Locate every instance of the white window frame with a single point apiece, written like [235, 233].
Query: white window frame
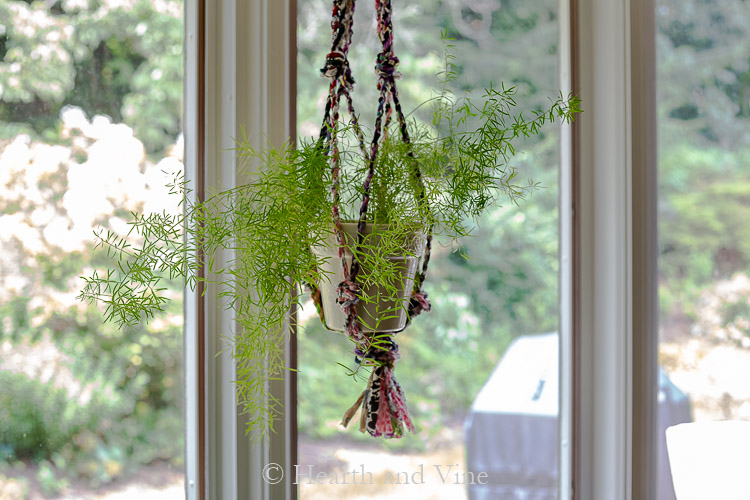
[608, 241]
[614, 276]
[240, 72]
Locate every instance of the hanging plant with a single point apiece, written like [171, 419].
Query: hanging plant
[352, 221]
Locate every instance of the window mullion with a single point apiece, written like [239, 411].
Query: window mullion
[249, 86]
[566, 282]
[604, 245]
[194, 129]
[645, 248]
[615, 339]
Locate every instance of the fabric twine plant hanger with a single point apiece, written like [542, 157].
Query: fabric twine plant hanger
[384, 412]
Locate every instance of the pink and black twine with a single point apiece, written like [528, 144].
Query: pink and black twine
[384, 411]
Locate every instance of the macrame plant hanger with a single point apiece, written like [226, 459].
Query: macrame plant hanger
[384, 412]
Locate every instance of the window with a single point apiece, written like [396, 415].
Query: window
[703, 111]
[239, 57]
[90, 124]
[599, 394]
[494, 321]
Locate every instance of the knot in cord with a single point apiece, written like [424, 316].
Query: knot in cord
[348, 294]
[385, 65]
[418, 304]
[385, 352]
[336, 66]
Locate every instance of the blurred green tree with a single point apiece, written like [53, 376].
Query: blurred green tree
[704, 142]
[120, 59]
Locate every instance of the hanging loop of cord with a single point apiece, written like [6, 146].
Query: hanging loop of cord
[384, 412]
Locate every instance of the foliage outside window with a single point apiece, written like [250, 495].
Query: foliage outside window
[704, 188]
[90, 117]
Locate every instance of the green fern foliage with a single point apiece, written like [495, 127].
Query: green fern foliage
[253, 242]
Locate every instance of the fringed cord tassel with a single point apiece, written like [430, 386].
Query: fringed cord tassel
[384, 410]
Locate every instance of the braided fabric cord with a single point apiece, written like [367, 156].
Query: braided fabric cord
[384, 412]
[385, 67]
[342, 83]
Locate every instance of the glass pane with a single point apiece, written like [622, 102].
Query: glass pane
[480, 370]
[704, 248]
[90, 121]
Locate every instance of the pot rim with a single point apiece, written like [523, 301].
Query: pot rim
[415, 238]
